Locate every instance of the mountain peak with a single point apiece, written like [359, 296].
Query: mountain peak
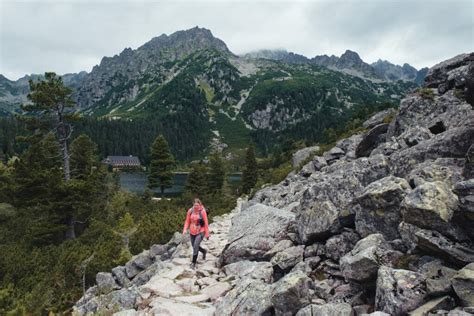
[350, 55]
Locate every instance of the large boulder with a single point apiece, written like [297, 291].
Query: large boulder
[438, 277]
[338, 245]
[379, 118]
[448, 170]
[434, 243]
[106, 282]
[371, 140]
[303, 154]
[449, 74]
[465, 192]
[249, 297]
[362, 263]
[463, 284]
[377, 208]
[250, 240]
[291, 293]
[399, 291]
[284, 260]
[432, 205]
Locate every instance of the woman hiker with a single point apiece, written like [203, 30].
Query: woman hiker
[196, 220]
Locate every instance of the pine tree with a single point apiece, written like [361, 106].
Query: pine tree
[161, 164]
[249, 175]
[197, 181]
[48, 111]
[83, 156]
[216, 173]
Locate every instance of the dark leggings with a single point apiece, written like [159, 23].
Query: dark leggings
[196, 242]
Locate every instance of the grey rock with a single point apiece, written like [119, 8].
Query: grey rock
[438, 278]
[378, 118]
[432, 242]
[105, 282]
[413, 136]
[280, 246]
[446, 74]
[250, 269]
[288, 258]
[291, 293]
[138, 263]
[120, 276]
[399, 291]
[331, 309]
[319, 163]
[371, 140]
[448, 170]
[432, 205]
[465, 192]
[377, 208]
[362, 263]
[250, 297]
[144, 276]
[250, 240]
[303, 154]
[463, 284]
[158, 250]
[334, 154]
[434, 305]
[338, 245]
[313, 250]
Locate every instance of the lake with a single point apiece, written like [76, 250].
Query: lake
[137, 182]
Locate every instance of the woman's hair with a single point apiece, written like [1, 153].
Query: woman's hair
[198, 201]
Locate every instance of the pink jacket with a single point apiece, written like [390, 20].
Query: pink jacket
[192, 221]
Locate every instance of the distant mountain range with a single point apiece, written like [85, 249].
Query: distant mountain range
[266, 96]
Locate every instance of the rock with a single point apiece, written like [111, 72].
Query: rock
[377, 208]
[162, 287]
[250, 269]
[315, 249]
[331, 309]
[463, 284]
[399, 291]
[127, 312]
[249, 297]
[144, 276]
[106, 282]
[448, 170]
[465, 192]
[378, 118]
[450, 73]
[280, 246]
[453, 143]
[337, 246]
[216, 290]
[291, 293]
[431, 206]
[158, 250]
[138, 263]
[371, 140]
[249, 240]
[319, 163]
[362, 263]
[120, 276]
[437, 278]
[319, 221]
[334, 154]
[432, 242]
[303, 154]
[170, 307]
[362, 309]
[441, 303]
[288, 258]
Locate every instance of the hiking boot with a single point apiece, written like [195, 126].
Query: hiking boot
[204, 255]
[193, 266]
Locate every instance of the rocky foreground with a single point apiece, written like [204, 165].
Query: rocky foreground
[382, 223]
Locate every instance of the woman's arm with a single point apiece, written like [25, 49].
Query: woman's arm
[186, 222]
[206, 224]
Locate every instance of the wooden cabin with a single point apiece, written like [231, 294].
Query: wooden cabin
[123, 162]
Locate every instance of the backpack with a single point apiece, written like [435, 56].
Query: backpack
[201, 220]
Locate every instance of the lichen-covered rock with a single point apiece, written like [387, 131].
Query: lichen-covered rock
[280, 246]
[288, 258]
[448, 170]
[303, 154]
[362, 263]
[291, 293]
[249, 297]
[106, 282]
[378, 118]
[338, 245]
[463, 284]
[399, 291]
[120, 276]
[432, 206]
[250, 269]
[438, 304]
[377, 208]
[249, 240]
[438, 278]
[432, 242]
[450, 73]
[158, 250]
[465, 192]
[331, 309]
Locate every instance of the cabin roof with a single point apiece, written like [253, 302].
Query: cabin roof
[122, 161]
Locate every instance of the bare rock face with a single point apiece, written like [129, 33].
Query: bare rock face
[377, 208]
[450, 73]
[399, 291]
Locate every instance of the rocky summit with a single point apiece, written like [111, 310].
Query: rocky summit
[380, 224]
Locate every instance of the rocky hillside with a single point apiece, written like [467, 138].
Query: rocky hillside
[380, 222]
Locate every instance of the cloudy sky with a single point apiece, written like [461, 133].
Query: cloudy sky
[73, 35]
